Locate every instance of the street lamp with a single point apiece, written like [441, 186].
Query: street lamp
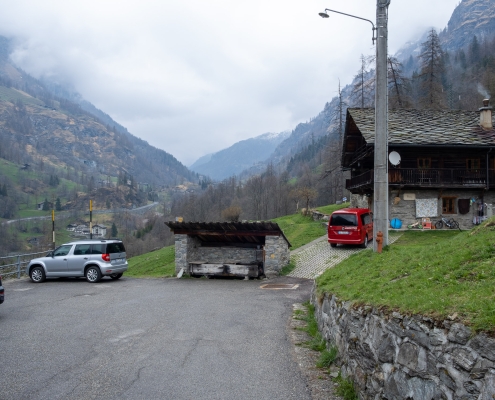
[380, 194]
[325, 15]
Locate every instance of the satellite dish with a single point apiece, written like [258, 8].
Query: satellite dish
[394, 158]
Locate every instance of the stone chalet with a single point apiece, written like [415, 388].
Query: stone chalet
[443, 163]
[83, 229]
[240, 249]
[99, 230]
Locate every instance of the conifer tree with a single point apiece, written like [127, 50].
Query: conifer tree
[46, 205]
[432, 69]
[114, 231]
[398, 85]
[364, 88]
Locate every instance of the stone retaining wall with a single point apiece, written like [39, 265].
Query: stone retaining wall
[400, 357]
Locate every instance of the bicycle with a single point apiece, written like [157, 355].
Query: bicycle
[450, 223]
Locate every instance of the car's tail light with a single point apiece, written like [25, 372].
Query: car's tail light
[105, 257]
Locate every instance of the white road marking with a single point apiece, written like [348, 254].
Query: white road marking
[125, 336]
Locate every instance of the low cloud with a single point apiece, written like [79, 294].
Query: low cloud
[193, 79]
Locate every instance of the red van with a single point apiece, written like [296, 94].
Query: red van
[350, 226]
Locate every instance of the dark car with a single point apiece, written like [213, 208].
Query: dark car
[350, 226]
[92, 259]
[2, 291]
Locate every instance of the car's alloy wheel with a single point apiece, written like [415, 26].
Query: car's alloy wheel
[116, 276]
[37, 275]
[93, 274]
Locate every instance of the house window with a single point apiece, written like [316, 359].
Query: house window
[473, 164]
[448, 205]
[424, 162]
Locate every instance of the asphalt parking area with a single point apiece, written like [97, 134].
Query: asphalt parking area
[149, 339]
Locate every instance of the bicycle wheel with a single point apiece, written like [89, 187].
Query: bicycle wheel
[439, 225]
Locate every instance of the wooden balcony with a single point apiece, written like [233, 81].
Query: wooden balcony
[426, 178]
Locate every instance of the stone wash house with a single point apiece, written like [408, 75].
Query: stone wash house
[443, 163]
[237, 249]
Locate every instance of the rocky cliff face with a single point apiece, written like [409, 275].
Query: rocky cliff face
[470, 18]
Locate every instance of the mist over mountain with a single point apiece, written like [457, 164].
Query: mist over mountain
[45, 120]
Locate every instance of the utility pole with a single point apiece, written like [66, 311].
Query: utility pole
[91, 219]
[53, 228]
[380, 201]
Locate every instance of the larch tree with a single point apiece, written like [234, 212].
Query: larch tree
[363, 90]
[398, 85]
[432, 69]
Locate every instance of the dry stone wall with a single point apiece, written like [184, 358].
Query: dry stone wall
[399, 357]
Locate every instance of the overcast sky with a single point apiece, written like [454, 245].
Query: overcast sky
[193, 77]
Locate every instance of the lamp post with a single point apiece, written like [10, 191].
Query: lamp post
[325, 15]
[380, 195]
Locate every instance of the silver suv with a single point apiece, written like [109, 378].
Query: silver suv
[90, 258]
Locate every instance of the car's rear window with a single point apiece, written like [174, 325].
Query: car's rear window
[98, 248]
[117, 247]
[343, 220]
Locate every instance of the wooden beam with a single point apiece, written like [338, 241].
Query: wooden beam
[231, 244]
[203, 232]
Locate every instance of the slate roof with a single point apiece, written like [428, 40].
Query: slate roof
[228, 232]
[426, 127]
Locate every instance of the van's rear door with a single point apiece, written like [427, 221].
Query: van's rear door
[343, 227]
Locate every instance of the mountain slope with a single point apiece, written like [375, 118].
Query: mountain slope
[470, 18]
[238, 157]
[57, 126]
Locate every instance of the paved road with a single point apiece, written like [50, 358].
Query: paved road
[149, 339]
[138, 210]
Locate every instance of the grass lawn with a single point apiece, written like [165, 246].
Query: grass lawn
[331, 208]
[301, 230]
[434, 273]
[157, 264]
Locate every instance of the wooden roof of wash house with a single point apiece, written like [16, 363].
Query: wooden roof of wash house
[229, 232]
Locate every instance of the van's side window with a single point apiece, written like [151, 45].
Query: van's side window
[366, 219]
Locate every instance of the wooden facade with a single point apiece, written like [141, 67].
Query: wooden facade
[438, 150]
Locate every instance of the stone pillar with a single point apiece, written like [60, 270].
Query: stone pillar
[359, 201]
[277, 255]
[181, 248]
